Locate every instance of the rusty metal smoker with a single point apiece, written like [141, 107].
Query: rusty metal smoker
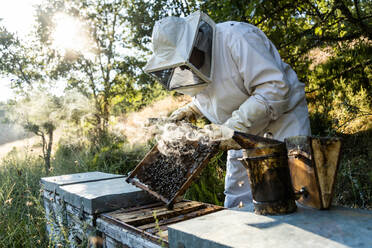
[268, 171]
[301, 168]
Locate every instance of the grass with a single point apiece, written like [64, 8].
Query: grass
[354, 179]
[22, 222]
[22, 215]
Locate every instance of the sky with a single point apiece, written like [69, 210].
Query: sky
[17, 16]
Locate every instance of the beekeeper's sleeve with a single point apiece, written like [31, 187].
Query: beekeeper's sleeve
[264, 81]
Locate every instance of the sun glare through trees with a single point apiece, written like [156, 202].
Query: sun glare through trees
[69, 34]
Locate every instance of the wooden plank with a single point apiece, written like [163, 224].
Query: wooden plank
[326, 156]
[162, 214]
[132, 209]
[139, 212]
[158, 232]
[152, 227]
[128, 234]
[136, 211]
[146, 216]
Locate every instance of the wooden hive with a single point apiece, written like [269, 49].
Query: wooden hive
[151, 221]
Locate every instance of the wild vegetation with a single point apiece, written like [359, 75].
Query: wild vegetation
[328, 43]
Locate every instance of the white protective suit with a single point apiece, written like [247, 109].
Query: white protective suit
[245, 85]
[251, 86]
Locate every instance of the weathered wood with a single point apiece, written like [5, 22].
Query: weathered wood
[151, 207]
[181, 217]
[270, 180]
[153, 229]
[132, 209]
[326, 157]
[143, 217]
[313, 164]
[120, 235]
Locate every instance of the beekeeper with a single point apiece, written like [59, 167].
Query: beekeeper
[236, 78]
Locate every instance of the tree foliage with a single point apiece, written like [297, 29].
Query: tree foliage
[106, 71]
[18, 60]
[298, 29]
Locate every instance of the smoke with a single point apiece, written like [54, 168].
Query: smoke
[151, 122]
[136, 127]
[171, 137]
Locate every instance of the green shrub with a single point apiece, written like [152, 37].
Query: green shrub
[117, 158]
[354, 179]
[209, 186]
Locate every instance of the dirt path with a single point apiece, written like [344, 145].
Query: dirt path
[28, 145]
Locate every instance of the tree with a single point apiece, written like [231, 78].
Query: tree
[42, 113]
[108, 70]
[18, 60]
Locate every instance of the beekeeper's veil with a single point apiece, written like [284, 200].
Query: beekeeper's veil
[174, 40]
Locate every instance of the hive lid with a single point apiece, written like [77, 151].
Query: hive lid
[53, 183]
[105, 195]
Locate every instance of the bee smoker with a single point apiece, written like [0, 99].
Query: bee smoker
[313, 163]
[302, 168]
[267, 167]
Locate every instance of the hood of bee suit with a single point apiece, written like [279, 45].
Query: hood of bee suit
[173, 40]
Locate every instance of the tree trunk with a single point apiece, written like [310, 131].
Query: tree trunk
[48, 150]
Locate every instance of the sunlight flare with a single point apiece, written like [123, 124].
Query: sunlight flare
[69, 34]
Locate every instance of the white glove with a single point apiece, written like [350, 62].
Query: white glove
[251, 117]
[188, 112]
[229, 144]
[223, 134]
[236, 124]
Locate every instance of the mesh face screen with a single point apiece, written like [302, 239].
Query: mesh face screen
[203, 42]
[164, 77]
[184, 77]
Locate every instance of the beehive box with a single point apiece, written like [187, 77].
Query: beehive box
[147, 226]
[73, 203]
[96, 209]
